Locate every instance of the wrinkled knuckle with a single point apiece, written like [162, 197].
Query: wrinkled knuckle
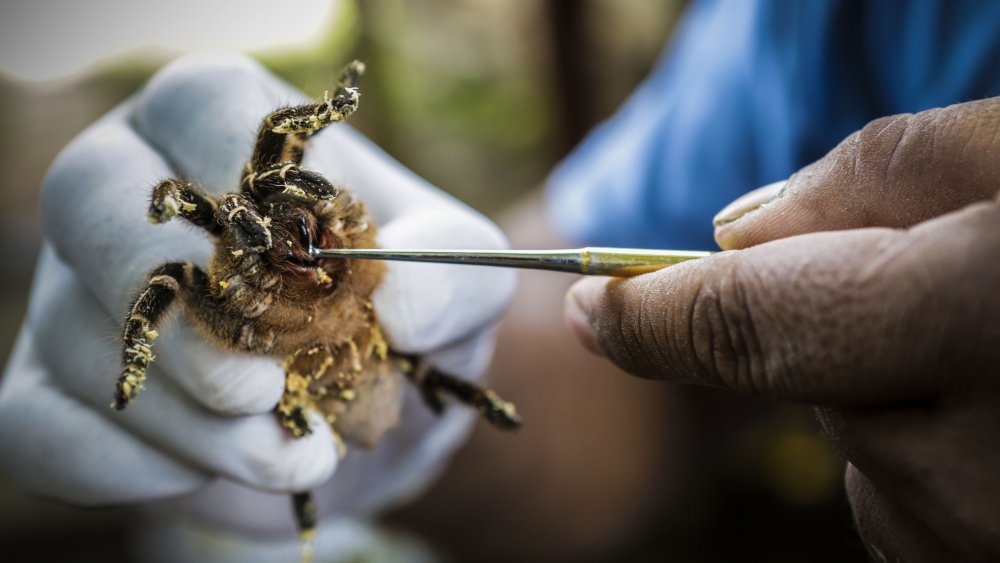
[934, 137]
[630, 331]
[884, 130]
[845, 156]
[880, 144]
[727, 341]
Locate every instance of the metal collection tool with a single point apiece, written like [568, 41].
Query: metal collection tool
[590, 261]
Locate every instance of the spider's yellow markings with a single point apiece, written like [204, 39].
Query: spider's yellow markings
[295, 191]
[323, 276]
[236, 210]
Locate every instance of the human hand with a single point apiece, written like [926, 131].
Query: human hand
[207, 413]
[890, 325]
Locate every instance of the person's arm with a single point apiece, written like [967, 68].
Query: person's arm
[867, 287]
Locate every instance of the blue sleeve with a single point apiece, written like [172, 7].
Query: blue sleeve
[750, 91]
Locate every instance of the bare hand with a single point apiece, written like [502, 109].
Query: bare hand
[890, 325]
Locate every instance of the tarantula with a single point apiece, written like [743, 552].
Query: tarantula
[264, 292]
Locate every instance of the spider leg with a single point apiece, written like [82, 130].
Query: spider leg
[302, 368]
[146, 311]
[433, 382]
[287, 180]
[171, 198]
[239, 214]
[304, 509]
[209, 307]
[282, 135]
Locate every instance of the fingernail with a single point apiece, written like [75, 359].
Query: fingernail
[750, 202]
[579, 302]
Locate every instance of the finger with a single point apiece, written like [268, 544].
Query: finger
[891, 533]
[824, 318]
[57, 448]
[918, 455]
[225, 383]
[895, 172]
[254, 450]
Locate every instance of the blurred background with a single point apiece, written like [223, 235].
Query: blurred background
[482, 98]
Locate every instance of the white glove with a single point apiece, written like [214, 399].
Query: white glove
[205, 412]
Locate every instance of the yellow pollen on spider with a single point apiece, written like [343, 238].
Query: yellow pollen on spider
[327, 362]
[294, 190]
[379, 347]
[237, 253]
[140, 351]
[323, 276]
[296, 383]
[170, 206]
[235, 211]
[132, 384]
[355, 356]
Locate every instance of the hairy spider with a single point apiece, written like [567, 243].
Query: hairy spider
[263, 292]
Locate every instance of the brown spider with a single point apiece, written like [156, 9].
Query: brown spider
[263, 292]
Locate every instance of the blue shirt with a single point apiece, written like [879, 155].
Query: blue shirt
[748, 92]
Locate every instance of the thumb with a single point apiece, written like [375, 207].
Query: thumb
[835, 318]
[895, 172]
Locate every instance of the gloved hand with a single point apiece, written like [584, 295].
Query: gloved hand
[207, 413]
[890, 325]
